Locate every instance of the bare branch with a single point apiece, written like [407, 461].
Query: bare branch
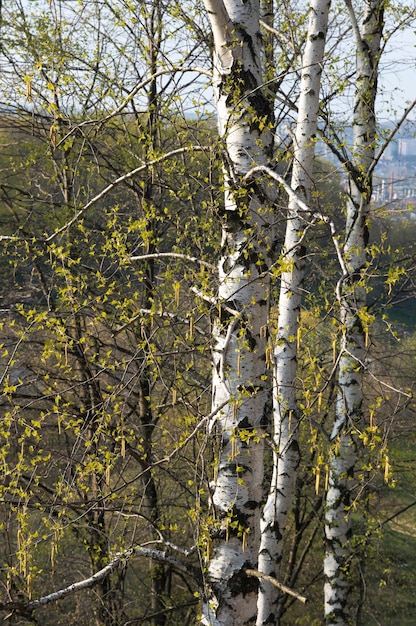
[303, 206]
[174, 255]
[119, 180]
[273, 581]
[133, 92]
[391, 136]
[109, 188]
[398, 513]
[120, 560]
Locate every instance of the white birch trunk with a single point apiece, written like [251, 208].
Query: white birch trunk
[286, 415]
[352, 297]
[239, 336]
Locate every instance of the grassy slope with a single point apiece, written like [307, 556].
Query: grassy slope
[390, 566]
[391, 596]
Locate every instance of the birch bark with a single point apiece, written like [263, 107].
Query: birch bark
[352, 299]
[286, 455]
[239, 334]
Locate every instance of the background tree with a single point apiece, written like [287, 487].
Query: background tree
[92, 346]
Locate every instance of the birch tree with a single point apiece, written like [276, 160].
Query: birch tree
[239, 336]
[105, 378]
[286, 455]
[350, 421]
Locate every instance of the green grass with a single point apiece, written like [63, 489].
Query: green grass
[391, 598]
[391, 571]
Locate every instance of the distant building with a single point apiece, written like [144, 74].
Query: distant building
[391, 152]
[407, 148]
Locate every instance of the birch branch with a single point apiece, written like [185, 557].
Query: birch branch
[13, 354]
[174, 255]
[119, 560]
[110, 187]
[398, 513]
[224, 349]
[304, 206]
[167, 459]
[391, 136]
[215, 301]
[273, 581]
[122, 179]
[197, 428]
[264, 169]
[381, 382]
[133, 92]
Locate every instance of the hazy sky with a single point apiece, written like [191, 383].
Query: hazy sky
[398, 75]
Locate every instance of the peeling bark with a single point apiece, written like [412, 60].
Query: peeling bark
[239, 335]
